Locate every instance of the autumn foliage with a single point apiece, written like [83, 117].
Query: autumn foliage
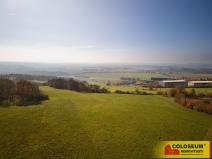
[190, 99]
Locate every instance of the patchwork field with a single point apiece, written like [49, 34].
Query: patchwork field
[82, 125]
[102, 78]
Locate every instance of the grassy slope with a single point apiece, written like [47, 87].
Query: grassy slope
[130, 88]
[77, 125]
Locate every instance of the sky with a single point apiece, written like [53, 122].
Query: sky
[106, 31]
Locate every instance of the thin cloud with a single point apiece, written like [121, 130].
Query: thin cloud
[12, 14]
[83, 47]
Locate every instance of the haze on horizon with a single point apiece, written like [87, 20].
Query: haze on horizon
[106, 31]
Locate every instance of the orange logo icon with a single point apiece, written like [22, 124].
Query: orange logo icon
[171, 151]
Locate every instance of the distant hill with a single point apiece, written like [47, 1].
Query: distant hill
[72, 69]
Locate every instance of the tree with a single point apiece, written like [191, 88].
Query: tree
[7, 90]
[28, 93]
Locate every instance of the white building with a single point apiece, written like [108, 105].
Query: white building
[200, 83]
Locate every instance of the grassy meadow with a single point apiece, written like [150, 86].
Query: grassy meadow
[197, 90]
[110, 126]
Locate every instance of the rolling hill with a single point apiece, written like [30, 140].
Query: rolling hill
[83, 125]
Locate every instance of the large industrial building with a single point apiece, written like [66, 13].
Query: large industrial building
[173, 83]
[200, 83]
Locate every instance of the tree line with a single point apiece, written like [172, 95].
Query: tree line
[20, 93]
[136, 92]
[27, 77]
[71, 84]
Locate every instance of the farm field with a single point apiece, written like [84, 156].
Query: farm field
[118, 75]
[202, 90]
[102, 78]
[110, 126]
[198, 90]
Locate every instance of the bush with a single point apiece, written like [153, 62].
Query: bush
[207, 108]
[180, 99]
[135, 92]
[206, 101]
[191, 93]
[75, 85]
[198, 107]
[159, 92]
[120, 92]
[209, 95]
[165, 94]
[173, 92]
[190, 103]
[201, 95]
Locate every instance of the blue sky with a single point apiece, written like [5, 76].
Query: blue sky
[106, 31]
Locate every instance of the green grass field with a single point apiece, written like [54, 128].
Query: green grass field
[154, 91]
[130, 89]
[82, 125]
[197, 90]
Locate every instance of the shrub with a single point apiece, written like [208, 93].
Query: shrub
[190, 103]
[159, 92]
[151, 88]
[191, 93]
[206, 101]
[165, 94]
[75, 85]
[181, 99]
[203, 107]
[120, 92]
[173, 92]
[209, 95]
[135, 92]
[181, 90]
[208, 109]
[201, 95]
